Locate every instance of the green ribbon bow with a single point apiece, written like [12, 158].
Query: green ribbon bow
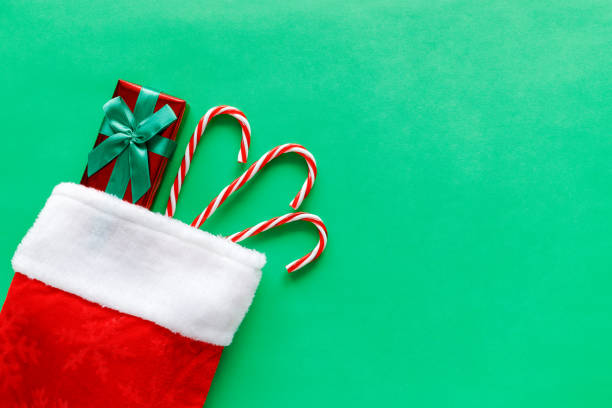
[130, 137]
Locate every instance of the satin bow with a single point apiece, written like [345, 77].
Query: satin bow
[129, 142]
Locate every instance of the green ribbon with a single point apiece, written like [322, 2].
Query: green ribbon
[130, 137]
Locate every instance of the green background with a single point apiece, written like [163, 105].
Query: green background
[465, 158]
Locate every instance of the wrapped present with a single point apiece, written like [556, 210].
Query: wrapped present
[134, 143]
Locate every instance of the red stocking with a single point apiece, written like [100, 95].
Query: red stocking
[114, 306]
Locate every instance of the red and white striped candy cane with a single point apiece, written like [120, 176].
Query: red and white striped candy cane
[195, 139]
[285, 219]
[255, 167]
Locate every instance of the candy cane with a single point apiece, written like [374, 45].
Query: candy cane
[285, 219]
[195, 139]
[255, 167]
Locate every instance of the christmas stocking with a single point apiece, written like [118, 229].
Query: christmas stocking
[115, 306]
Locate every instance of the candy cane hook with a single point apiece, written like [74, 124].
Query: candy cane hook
[256, 167]
[285, 219]
[195, 139]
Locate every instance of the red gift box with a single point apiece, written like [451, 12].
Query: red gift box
[157, 164]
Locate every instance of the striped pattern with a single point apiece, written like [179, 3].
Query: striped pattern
[285, 219]
[256, 167]
[193, 144]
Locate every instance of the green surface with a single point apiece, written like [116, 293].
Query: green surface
[465, 157]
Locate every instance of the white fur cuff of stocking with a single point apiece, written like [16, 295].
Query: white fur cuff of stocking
[125, 257]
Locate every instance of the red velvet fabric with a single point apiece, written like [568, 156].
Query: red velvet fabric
[58, 350]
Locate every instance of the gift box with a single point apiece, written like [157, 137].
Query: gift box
[134, 143]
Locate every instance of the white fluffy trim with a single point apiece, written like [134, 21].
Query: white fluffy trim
[125, 257]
